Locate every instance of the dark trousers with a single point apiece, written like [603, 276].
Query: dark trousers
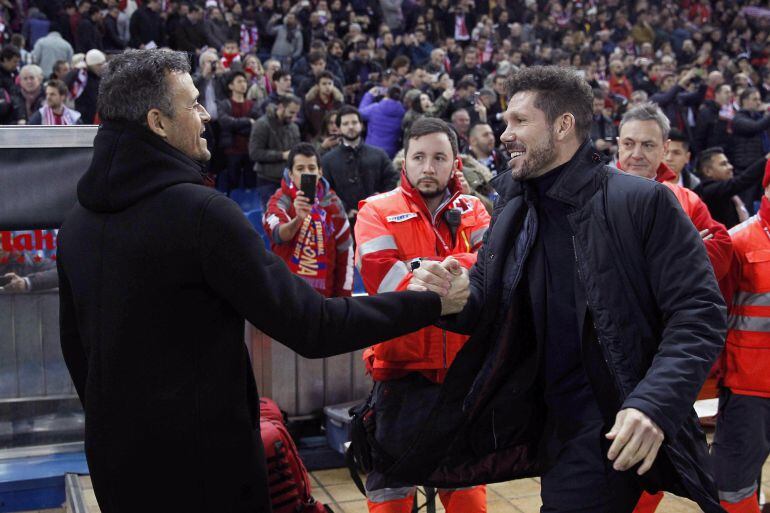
[741, 444]
[582, 480]
[240, 172]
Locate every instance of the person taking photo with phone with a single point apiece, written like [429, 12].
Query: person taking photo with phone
[308, 227]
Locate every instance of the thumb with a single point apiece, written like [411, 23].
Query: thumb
[453, 266]
[613, 432]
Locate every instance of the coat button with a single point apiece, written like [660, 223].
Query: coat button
[491, 256]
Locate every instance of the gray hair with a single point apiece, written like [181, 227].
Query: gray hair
[34, 69]
[648, 111]
[135, 82]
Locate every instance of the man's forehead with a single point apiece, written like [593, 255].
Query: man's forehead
[430, 144]
[644, 131]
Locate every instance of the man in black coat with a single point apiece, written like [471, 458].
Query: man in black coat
[157, 273]
[146, 25]
[712, 127]
[89, 34]
[595, 319]
[354, 169]
[719, 187]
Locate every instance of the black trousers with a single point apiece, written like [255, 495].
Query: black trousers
[582, 480]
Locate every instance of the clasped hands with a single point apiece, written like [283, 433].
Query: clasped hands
[448, 279]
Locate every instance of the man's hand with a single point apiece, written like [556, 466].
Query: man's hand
[301, 206]
[17, 283]
[635, 437]
[448, 279]
[466, 187]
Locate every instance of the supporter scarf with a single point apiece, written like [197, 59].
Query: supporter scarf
[79, 85]
[68, 116]
[310, 259]
[229, 58]
[249, 38]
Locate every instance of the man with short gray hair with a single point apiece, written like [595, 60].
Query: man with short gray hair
[156, 275]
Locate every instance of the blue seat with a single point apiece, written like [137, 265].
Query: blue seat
[247, 199]
[255, 218]
[358, 282]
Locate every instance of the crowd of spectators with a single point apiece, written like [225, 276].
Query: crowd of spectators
[350, 76]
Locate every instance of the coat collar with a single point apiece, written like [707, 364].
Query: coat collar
[573, 187]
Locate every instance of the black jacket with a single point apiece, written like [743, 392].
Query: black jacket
[675, 103]
[89, 36]
[651, 318]
[710, 129]
[746, 147]
[157, 273]
[718, 194]
[190, 36]
[232, 126]
[357, 173]
[112, 40]
[146, 25]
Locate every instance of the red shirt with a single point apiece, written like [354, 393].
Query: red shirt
[240, 144]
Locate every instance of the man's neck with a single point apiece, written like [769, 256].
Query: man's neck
[58, 110]
[434, 203]
[480, 154]
[326, 98]
[238, 97]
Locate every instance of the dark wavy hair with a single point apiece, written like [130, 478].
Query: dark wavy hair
[559, 90]
[135, 82]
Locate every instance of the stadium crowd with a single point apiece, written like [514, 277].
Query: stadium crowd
[272, 74]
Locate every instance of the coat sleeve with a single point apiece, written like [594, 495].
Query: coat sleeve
[71, 344]
[378, 256]
[258, 145]
[720, 246]
[367, 106]
[744, 125]
[692, 312]
[261, 288]
[388, 174]
[716, 189]
[666, 97]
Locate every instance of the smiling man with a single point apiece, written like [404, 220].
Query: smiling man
[595, 319]
[156, 275]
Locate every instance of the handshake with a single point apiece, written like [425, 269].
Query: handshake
[448, 279]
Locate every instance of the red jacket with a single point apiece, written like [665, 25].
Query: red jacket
[747, 352]
[321, 252]
[719, 247]
[394, 229]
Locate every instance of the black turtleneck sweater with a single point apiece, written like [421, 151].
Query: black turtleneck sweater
[567, 391]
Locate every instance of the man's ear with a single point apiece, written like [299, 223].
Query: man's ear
[157, 123]
[563, 126]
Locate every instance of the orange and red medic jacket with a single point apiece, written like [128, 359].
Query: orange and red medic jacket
[719, 247]
[747, 352]
[394, 229]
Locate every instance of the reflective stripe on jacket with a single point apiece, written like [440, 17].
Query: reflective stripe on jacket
[747, 353]
[394, 229]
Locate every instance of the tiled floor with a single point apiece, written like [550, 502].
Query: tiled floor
[336, 489]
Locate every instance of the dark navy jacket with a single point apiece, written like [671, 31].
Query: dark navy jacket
[651, 320]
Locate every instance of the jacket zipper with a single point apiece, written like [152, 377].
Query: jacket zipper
[602, 345]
